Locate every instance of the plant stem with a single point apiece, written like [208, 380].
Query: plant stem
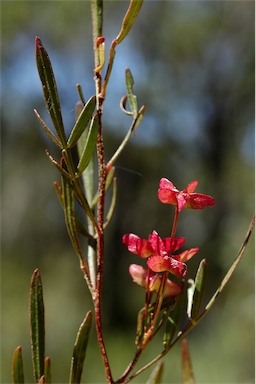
[97, 17]
[175, 221]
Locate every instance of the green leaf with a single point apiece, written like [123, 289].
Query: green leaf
[37, 328]
[79, 351]
[69, 212]
[187, 371]
[89, 145]
[156, 375]
[46, 75]
[199, 288]
[17, 367]
[82, 122]
[131, 97]
[129, 19]
[47, 370]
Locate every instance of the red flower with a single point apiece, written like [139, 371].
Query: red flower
[159, 252]
[140, 276]
[169, 194]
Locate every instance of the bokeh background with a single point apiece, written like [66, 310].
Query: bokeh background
[193, 65]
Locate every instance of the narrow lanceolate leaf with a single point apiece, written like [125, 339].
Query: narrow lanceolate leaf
[37, 329]
[129, 19]
[46, 74]
[89, 145]
[47, 370]
[79, 351]
[187, 371]
[139, 117]
[200, 282]
[132, 99]
[156, 375]
[82, 122]
[69, 212]
[47, 130]
[17, 367]
[112, 205]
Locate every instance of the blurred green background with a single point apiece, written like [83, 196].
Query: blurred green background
[193, 64]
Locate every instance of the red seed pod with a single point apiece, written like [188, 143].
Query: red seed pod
[100, 40]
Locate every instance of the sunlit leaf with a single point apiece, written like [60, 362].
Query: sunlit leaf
[129, 19]
[79, 351]
[37, 328]
[131, 97]
[17, 367]
[82, 122]
[46, 74]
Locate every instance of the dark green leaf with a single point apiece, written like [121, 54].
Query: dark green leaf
[47, 370]
[82, 122]
[156, 375]
[129, 19]
[46, 74]
[37, 329]
[79, 351]
[89, 145]
[200, 281]
[187, 371]
[17, 367]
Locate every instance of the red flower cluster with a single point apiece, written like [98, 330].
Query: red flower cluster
[160, 252]
[169, 194]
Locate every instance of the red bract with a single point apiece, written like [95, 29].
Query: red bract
[159, 251]
[169, 194]
[140, 276]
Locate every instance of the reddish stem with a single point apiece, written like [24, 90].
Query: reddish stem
[100, 251]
